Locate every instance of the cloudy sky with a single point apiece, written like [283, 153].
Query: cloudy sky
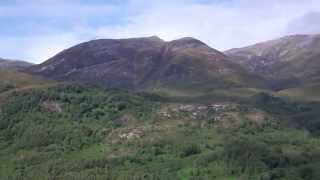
[35, 30]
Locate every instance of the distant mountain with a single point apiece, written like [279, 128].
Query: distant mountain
[6, 64]
[148, 63]
[294, 57]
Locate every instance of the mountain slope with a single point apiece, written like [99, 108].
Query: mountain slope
[12, 81]
[147, 63]
[6, 64]
[293, 57]
[19, 79]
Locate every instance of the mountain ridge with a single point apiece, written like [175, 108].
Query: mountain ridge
[142, 62]
[290, 57]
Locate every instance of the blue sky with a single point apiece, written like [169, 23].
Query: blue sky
[35, 30]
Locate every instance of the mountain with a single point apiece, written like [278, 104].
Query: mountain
[13, 64]
[293, 58]
[147, 63]
[224, 127]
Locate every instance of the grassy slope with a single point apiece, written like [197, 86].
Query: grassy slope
[19, 79]
[12, 81]
[310, 93]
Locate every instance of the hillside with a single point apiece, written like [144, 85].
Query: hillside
[293, 59]
[6, 64]
[150, 63]
[71, 131]
[11, 79]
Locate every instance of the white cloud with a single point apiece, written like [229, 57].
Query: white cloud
[222, 25]
[307, 24]
[55, 9]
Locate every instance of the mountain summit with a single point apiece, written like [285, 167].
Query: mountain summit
[145, 63]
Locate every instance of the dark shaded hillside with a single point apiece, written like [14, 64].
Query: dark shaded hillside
[147, 63]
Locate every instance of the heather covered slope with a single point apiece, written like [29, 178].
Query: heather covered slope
[148, 63]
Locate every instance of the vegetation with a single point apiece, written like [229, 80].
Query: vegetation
[71, 131]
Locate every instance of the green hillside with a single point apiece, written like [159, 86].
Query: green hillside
[78, 132]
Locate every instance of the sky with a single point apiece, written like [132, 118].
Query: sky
[35, 30]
